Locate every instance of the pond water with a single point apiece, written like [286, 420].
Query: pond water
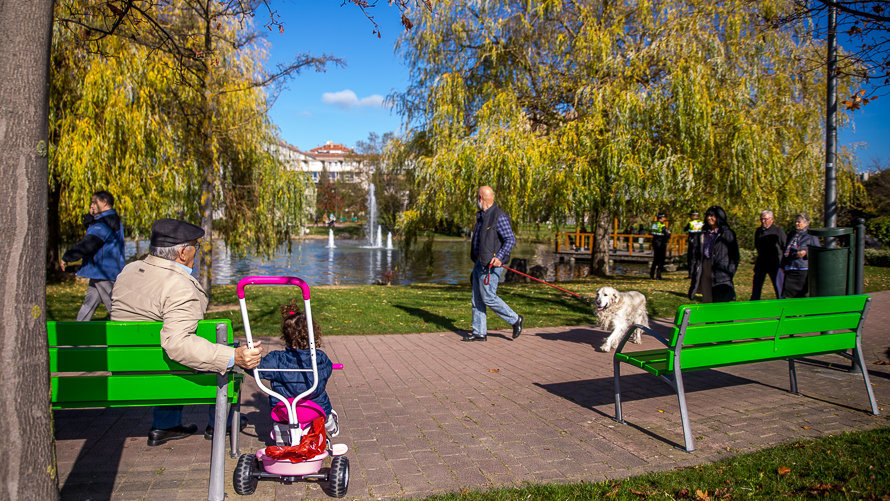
[352, 262]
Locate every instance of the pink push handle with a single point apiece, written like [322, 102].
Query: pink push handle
[272, 281]
[338, 366]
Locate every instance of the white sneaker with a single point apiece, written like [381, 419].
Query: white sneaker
[332, 424]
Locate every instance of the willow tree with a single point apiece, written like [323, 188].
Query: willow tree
[601, 109]
[173, 124]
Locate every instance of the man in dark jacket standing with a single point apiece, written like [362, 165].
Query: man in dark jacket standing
[769, 240]
[492, 242]
[102, 253]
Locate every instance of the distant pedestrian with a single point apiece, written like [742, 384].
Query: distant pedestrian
[719, 259]
[490, 247]
[693, 230]
[769, 241]
[795, 259]
[660, 238]
[101, 252]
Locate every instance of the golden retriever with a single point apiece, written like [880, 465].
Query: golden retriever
[616, 311]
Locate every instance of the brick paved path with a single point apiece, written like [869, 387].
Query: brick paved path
[424, 413]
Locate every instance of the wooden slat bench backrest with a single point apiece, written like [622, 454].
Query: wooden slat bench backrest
[720, 334]
[134, 369]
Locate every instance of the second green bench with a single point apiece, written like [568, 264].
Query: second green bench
[707, 336]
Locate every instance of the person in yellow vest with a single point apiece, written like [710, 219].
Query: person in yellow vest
[660, 238]
[693, 230]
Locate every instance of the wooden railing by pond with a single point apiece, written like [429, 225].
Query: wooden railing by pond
[626, 244]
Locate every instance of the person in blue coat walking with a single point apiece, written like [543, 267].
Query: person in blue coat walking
[101, 252]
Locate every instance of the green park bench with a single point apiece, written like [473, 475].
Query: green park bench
[706, 336]
[122, 364]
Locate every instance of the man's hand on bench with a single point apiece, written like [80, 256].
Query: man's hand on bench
[249, 358]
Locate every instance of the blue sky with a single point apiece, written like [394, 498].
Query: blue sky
[344, 105]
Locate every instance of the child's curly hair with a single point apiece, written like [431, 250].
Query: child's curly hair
[294, 330]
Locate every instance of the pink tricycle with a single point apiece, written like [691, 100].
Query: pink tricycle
[296, 422]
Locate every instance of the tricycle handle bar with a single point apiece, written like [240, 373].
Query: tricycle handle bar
[273, 281]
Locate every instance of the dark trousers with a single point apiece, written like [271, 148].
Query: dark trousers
[660, 252]
[795, 284]
[760, 277]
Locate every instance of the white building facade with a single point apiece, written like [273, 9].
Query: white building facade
[340, 162]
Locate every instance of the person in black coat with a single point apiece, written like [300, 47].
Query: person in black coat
[718, 261]
[769, 240]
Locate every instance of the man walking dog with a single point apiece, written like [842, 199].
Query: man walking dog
[492, 242]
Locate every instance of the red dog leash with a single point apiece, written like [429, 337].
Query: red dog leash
[488, 277]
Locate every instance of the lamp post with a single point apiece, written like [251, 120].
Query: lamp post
[831, 125]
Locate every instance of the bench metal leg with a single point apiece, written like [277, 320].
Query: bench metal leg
[684, 412]
[235, 431]
[617, 372]
[792, 375]
[871, 394]
[216, 491]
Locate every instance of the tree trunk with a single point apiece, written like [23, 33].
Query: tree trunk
[599, 250]
[205, 257]
[28, 470]
[208, 154]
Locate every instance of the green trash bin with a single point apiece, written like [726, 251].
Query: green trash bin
[830, 269]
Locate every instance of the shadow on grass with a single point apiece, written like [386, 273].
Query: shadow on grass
[445, 323]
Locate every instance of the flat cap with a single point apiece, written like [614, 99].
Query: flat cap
[170, 232]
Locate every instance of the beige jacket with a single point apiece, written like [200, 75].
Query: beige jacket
[156, 289]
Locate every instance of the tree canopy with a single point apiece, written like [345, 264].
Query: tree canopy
[600, 109]
[165, 134]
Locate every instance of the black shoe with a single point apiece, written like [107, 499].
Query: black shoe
[474, 338]
[157, 436]
[208, 432]
[517, 327]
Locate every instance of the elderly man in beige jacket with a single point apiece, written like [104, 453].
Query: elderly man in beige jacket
[160, 288]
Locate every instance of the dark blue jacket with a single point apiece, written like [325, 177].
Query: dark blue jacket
[102, 249]
[291, 384]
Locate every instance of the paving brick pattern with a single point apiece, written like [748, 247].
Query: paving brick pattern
[425, 413]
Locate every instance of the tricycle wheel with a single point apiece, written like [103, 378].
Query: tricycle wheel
[338, 478]
[245, 476]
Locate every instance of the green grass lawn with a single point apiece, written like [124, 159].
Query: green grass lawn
[849, 466]
[377, 309]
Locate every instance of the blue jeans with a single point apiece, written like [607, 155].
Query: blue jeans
[487, 296]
